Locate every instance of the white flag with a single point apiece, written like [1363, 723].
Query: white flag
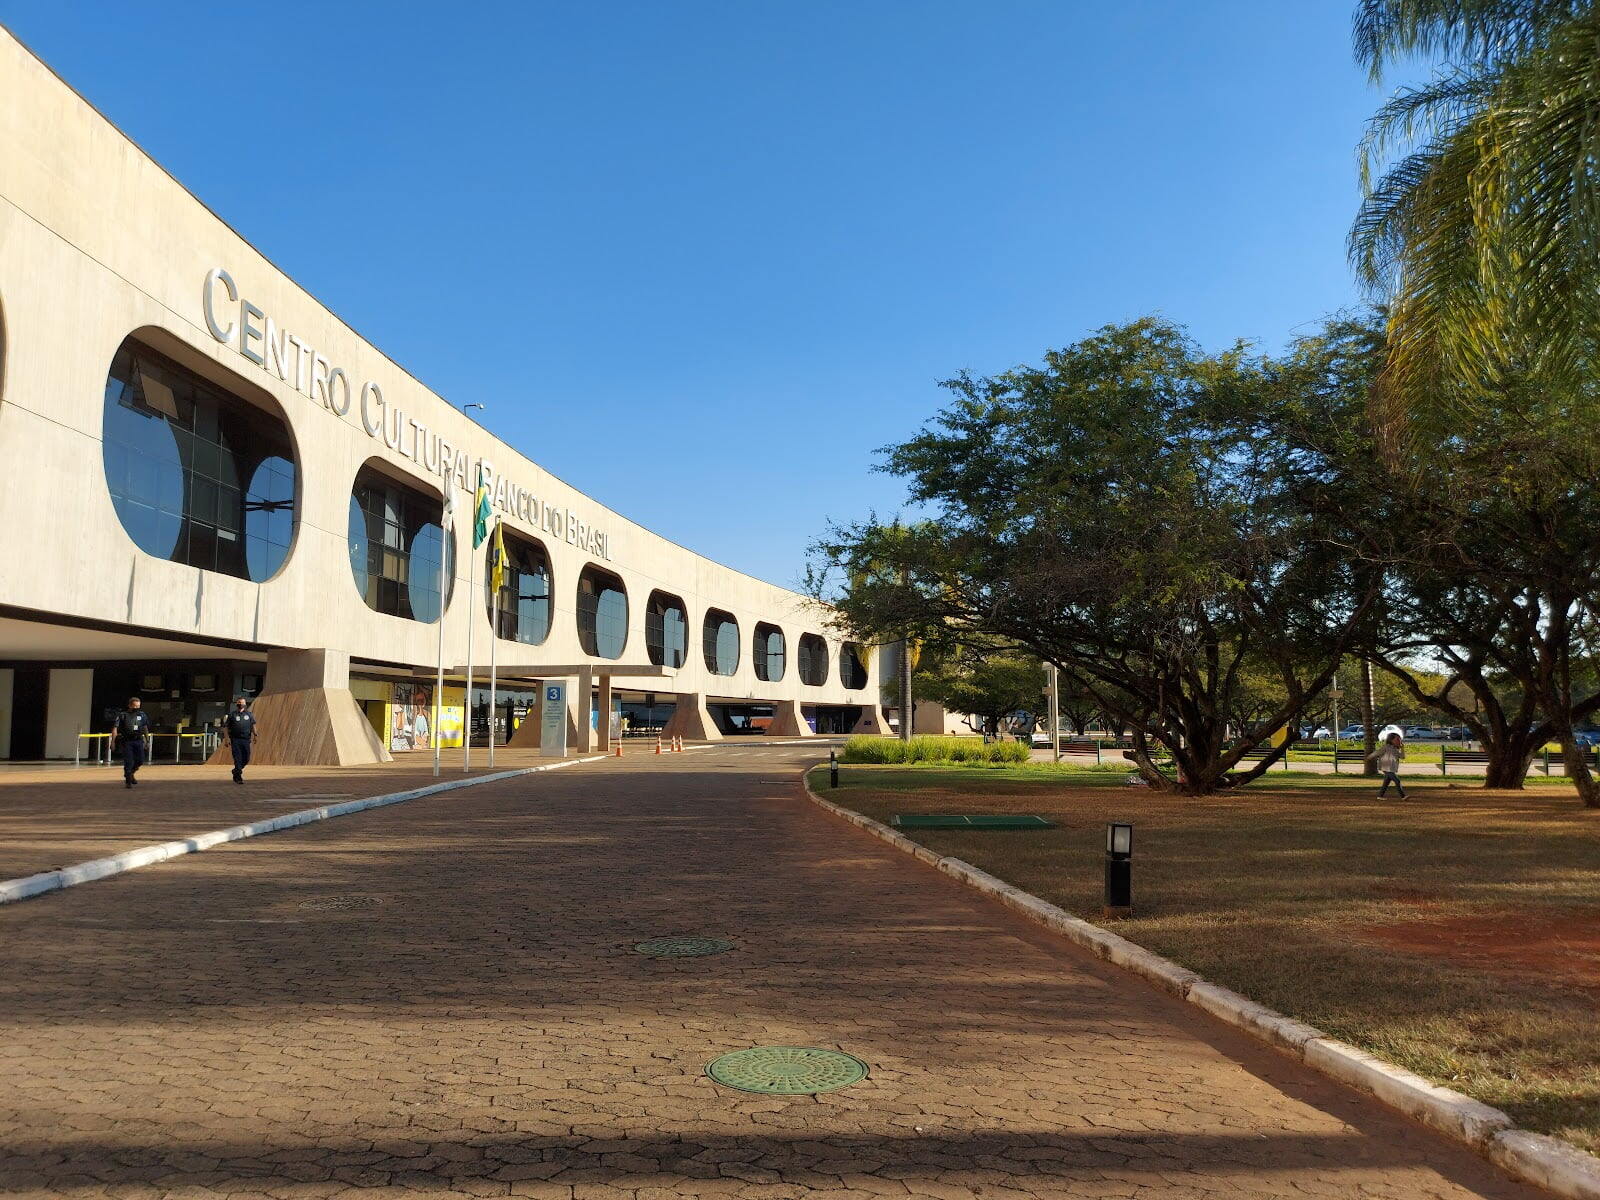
[449, 519]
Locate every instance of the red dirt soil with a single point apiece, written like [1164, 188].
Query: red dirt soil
[1551, 946]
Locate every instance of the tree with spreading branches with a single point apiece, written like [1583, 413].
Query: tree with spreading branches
[1150, 518]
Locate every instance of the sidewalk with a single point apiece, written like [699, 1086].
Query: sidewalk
[52, 818]
[1426, 769]
[444, 999]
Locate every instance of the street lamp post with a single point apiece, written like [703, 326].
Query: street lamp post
[1055, 714]
[1333, 694]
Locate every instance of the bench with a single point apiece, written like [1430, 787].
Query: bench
[1261, 752]
[1462, 758]
[1079, 745]
[1480, 758]
[1591, 755]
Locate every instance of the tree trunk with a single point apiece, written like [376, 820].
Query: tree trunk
[1145, 765]
[1577, 765]
[906, 717]
[1505, 769]
[1368, 725]
[1510, 754]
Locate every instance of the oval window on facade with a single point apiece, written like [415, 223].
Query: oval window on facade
[769, 652]
[396, 546]
[853, 666]
[666, 630]
[521, 612]
[813, 665]
[602, 613]
[720, 637]
[198, 475]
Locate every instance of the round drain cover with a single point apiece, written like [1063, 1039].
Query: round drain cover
[683, 947]
[787, 1070]
[340, 903]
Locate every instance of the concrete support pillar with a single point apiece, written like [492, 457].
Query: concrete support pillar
[530, 734]
[788, 720]
[603, 707]
[306, 716]
[691, 720]
[871, 721]
[526, 736]
[580, 701]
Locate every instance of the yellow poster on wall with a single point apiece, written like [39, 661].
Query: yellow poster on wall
[411, 717]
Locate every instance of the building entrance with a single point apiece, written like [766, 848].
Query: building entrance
[30, 707]
[735, 719]
[836, 718]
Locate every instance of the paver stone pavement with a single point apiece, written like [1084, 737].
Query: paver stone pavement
[442, 999]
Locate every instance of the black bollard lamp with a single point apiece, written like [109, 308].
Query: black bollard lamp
[1119, 870]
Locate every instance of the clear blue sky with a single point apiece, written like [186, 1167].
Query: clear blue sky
[701, 258]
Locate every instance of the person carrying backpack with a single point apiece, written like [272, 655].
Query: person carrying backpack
[128, 736]
[1389, 756]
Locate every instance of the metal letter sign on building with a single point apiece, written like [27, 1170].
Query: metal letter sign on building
[553, 721]
[252, 497]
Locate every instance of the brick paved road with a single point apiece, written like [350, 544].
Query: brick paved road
[53, 817]
[195, 1030]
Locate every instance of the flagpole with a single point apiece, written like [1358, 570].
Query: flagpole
[472, 580]
[494, 642]
[446, 526]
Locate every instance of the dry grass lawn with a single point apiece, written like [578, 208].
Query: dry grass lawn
[1456, 933]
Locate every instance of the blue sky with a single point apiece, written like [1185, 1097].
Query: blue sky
[701, 259]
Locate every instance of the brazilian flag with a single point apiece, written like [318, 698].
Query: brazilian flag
[480, 513]
[497, 564]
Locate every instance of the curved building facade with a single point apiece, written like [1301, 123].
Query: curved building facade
[215, 485]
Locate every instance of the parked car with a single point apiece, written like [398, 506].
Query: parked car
[1353, 732]
[1320, 732]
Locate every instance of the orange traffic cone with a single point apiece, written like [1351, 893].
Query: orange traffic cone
[619, 747]
[678, 744]
[658, 743]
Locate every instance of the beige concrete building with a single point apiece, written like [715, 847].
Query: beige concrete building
[216, 486]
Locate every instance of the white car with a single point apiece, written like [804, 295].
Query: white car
[1321, 731]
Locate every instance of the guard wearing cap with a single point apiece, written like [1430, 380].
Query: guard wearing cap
[240, 726]
[128, 736]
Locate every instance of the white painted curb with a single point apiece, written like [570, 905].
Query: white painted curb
[1548, 1162]
[28, 886]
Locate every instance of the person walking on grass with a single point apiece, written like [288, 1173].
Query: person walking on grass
[128, 737]
[240, 726]
[1389, 756]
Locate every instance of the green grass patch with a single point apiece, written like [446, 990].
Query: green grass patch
[1452, 933]
[928, 748]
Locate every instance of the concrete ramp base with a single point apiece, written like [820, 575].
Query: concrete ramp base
[311, 727]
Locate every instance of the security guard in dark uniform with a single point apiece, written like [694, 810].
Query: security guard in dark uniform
[129, 734]
[240, 726]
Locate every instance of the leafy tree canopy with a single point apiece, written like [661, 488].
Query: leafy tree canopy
[1151, 518]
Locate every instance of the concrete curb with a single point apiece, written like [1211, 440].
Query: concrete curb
[1531, 1157]
[28, 886]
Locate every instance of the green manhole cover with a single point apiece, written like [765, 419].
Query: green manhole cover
[970, 821]
[787, 1070]
[683, 947]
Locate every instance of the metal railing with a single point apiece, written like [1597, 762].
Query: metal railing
[100, 746]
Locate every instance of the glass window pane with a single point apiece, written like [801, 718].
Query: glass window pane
[173, 478]
[720, 642]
